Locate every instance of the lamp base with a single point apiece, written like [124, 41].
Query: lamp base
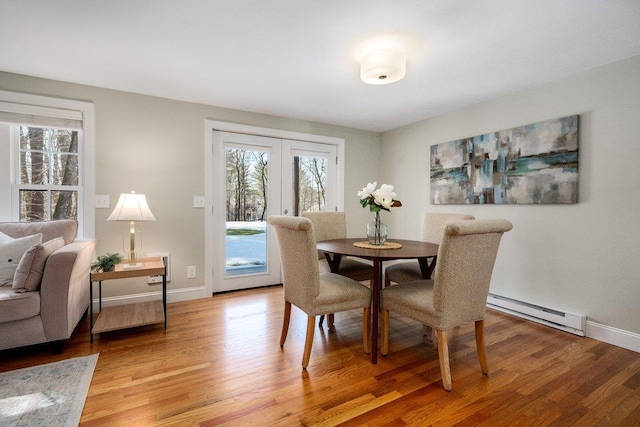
[136, 266]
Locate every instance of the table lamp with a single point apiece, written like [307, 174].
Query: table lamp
[132, 207]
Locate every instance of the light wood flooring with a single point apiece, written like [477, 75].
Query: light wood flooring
[219, 364]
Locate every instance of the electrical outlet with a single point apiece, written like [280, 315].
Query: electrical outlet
[191, 272]
[198, 201]
[102, 201]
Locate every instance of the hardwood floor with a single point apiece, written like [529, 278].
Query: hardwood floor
[219, 364]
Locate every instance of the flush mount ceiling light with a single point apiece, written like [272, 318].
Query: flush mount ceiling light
[383, 66]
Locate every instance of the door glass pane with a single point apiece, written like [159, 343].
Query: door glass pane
[309, 184]
[246, 211]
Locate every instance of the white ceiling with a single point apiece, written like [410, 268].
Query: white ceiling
[300, 58]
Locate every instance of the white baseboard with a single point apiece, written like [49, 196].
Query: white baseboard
[614, 336]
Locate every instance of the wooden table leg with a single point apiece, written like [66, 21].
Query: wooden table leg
[375, 309]
[426, 267]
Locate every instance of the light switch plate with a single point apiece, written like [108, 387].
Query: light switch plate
[191, 272]
[198, 201]
[102, 201]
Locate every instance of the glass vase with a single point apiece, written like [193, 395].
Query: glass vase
[377, 231]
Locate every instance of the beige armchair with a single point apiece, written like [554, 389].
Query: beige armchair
[458, 292]
[313, 292]
[432, 228]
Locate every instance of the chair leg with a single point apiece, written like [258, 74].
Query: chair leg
[427, 331]
[366, 329]
[330, 322]
[285, 322]
[384, 345]
[443, 355]
[308, 342]
[387, 282]
[482, 355]
[330, 325]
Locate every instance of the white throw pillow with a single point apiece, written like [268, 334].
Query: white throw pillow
[11, 252]
[29, 272]
[4, 237]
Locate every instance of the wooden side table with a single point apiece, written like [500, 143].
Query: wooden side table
[129, 315]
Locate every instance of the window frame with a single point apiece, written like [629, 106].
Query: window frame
[60, 109]
[49, 187]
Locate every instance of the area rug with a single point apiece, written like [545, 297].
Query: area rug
[46, 395]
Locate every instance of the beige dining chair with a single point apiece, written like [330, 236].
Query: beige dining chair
[305, 287]
[333, 225]
[459, 289]
[432, 228]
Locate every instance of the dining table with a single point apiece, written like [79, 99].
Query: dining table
[395, 249]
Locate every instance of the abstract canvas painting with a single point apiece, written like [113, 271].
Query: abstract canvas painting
[535, 164]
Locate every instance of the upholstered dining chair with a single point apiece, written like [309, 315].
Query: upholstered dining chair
[333, 225]
[305, 287]
[459, 289]
[432, 228]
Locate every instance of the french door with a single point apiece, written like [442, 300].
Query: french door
[253, 177]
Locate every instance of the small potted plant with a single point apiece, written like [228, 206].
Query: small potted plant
[106, 262]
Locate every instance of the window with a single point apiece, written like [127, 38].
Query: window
[48, 177]
[46, 160]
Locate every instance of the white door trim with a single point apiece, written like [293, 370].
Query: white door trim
[212, 125]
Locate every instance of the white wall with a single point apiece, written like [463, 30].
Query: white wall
[155, 146]
[580, 258]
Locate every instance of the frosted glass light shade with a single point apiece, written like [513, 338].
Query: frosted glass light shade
[383, 67]
[131, 207]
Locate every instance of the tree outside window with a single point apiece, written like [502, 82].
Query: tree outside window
[247, 183]
[49, 175]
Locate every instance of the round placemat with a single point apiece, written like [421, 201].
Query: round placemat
[387, 245]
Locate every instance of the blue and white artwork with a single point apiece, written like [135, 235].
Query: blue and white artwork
[535, 164]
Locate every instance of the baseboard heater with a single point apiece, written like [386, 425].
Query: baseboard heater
[573, 323]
